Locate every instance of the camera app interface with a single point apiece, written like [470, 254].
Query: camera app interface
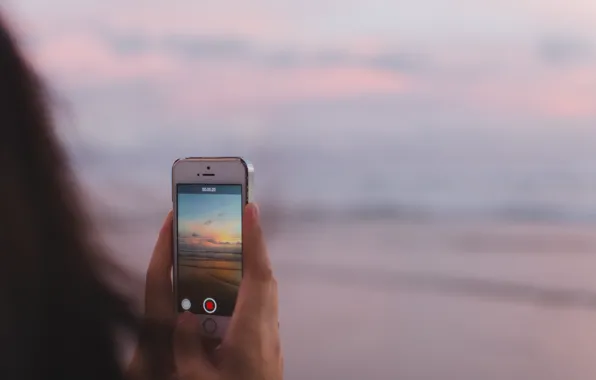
[209, 247]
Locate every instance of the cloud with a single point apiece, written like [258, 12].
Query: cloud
[226, 88]
[182, 46]
[194, 73]
[87, 54]
[565, 50]
[86, 59]
[213, 241]
[213, 47]
[205, 47]
[209, 222]
[399, 61]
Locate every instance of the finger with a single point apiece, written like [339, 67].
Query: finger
[257, 297]
[189, 356]
[210, 350]
[254, 324]
[210, 347]
[256, 261]
[159, 296]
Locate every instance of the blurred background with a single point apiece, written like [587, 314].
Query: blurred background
[426, 169]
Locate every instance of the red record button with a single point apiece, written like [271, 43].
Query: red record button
[209, 305]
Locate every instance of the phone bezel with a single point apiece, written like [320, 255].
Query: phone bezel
[226, 171]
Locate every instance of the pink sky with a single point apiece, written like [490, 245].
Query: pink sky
[86, 59]
[486, 58]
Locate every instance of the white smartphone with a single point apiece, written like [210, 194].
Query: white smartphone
[209, 195]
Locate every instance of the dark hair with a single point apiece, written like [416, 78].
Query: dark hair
[58, 314]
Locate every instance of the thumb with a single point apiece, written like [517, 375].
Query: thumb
[159, 298]
[190, 358]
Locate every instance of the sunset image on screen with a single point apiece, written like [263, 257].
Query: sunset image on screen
[209, 247]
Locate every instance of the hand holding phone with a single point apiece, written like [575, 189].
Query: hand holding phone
[251, 348]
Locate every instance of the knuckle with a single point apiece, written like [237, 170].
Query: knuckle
[267, 274]
[264, 275]
[273, 281]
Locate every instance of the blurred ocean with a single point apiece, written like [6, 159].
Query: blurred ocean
[425, 174]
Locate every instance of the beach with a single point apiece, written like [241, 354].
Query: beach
[405, 300]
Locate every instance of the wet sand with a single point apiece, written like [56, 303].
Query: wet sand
[421, 301]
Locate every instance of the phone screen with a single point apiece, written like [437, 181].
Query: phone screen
[209, 257]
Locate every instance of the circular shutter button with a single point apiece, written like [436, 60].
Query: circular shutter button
[210, 326]
[209, 305]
